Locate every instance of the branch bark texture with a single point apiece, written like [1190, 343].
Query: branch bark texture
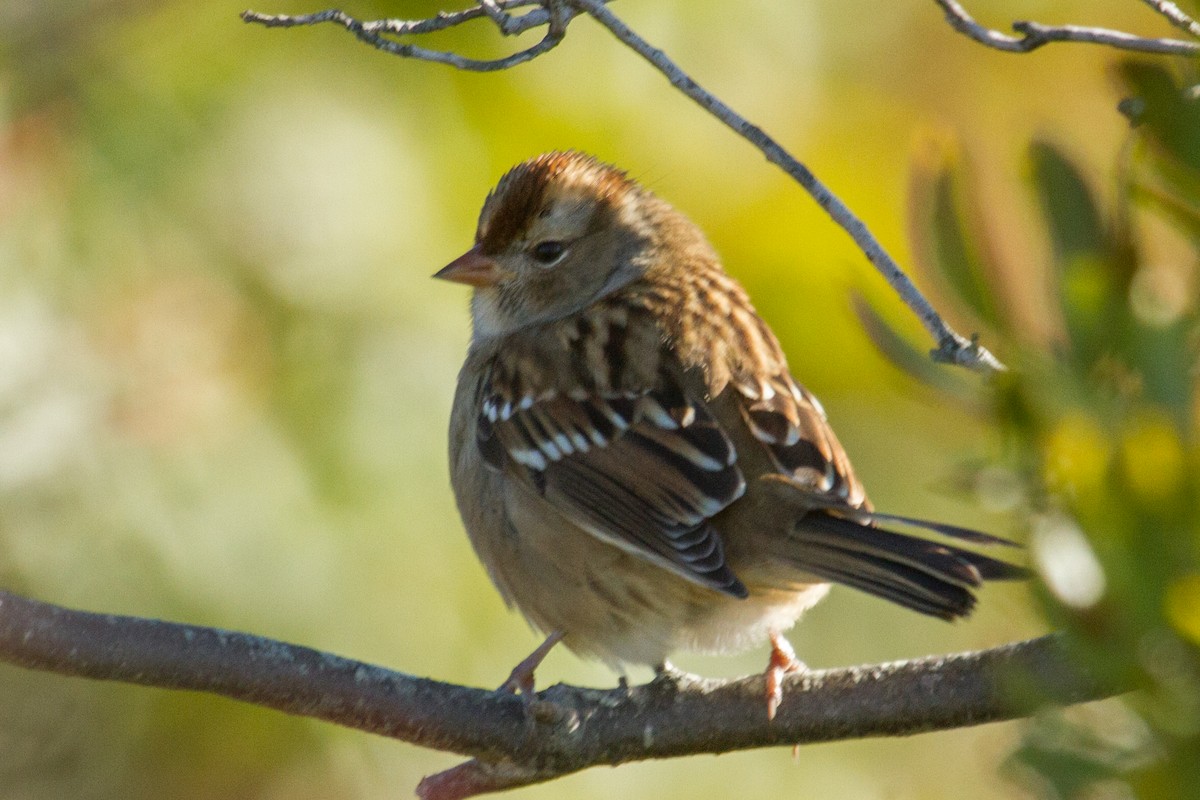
[566, 728]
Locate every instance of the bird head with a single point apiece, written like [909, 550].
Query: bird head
[558, 232]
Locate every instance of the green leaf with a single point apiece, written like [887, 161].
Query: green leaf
[1076, 228]
[1169, 115]
[1075, 760]
[1169, 121]
[906, 357]
[948, 237]
[1092, 277]
[1183, 213]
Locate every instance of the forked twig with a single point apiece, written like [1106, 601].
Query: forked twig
[1035, 35]
[552, 14]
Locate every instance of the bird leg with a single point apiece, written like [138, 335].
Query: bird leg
[783, 662]
[521, 678]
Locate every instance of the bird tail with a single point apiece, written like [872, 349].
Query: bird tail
[931, 577]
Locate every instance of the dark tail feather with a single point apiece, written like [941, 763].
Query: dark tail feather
[926, 576]
[953, 531]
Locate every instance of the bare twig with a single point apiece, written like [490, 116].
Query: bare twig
[1175, 16]
[551, 13]
[567, 728]
[443, 21]
[1035, 35]
[951, 346]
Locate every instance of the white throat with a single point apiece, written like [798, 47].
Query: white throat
[487, 321]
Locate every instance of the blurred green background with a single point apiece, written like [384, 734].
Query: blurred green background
[225, 375]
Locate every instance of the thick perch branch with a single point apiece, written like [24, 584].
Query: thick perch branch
[567, 728]
[952, 347]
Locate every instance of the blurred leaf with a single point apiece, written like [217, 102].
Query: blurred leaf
[1171, 118]
[1105, 442]
[1183, 606]
[1076, 229]
[947, 235]
[1167, 181]
[1092, 278]
[1165, 355]
[1152, 458]
[901, 352]
[1185, 215]
[1068, 773]
[1072, 761]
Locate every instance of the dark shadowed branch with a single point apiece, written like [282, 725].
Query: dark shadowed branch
[567, 728]
[1035, 35]
[952, 347]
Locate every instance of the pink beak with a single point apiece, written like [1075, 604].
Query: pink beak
[472, 268]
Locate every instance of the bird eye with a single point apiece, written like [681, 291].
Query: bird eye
[548, 252]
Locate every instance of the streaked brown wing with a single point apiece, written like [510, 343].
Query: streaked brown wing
[791, 424]
[643, 471]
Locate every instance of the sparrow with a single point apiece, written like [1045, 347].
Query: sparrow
[632, 460]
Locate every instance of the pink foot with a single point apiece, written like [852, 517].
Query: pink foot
[521, 678]
[783, 662]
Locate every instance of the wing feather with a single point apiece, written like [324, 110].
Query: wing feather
[645, 471]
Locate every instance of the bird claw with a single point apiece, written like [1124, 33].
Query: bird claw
[521, 679]
[783, 662]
